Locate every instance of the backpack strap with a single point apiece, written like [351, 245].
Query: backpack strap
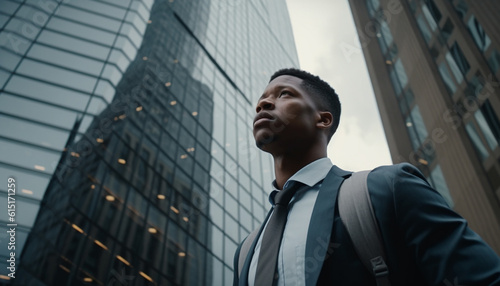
[356, 213]
[245, 248]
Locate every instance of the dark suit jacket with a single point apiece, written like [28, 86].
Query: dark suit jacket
[426, 242]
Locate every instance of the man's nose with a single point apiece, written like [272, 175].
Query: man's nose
[264, 104]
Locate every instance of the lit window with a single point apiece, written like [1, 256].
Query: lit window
[28, 192]
[40, 168]
[146, 276]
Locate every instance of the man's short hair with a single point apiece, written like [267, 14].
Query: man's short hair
[327, 98]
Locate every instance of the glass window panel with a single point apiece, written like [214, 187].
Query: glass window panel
[29, 157]
[9, 7]
[130, 31]
[400, 72]
[409, 97]
[3, 77]
[73, 44]
[112, 73]
[13, 42]
[447, 29]
[445, 74]
[461, 8]
[428, 16]
[57, 75]
[476, 140]
[93, 19]
[454, 68]
[68, 60]
[231, 205]
[246, 219]
[32, 132]
[460, 59]
[217, 242]
[215, 271]
[47, 92]
[216, 214]
[100, 7]
[386, 33]
[230, 249]
[26, 211]
[9, 60]
[440, 184]
[126, 46]
[433, 9]
[395, 82]
[139, 7]
[23, 28]
[478, 34]
[3, 20]
[123, 3]
[37, 111]
[494, 61]
[80, 30]
[96, 105]
[106, 90]
[483, 125]
[415, 142]
[231, 227]
[492, 119]
[419, 124]
[118, 57]
[137, 21]
[35, 16]
[28, 184]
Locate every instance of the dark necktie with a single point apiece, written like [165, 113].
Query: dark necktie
[266, 267]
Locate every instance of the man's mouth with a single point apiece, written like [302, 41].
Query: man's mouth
[262, 117]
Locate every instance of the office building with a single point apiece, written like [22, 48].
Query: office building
[434, 67]
[127, 126]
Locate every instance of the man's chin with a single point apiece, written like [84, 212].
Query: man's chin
[265, 142]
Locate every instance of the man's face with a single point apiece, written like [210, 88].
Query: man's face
[286, 117]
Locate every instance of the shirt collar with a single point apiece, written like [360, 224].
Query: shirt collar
[309, 175]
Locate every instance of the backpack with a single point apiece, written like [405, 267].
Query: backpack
[356, 213]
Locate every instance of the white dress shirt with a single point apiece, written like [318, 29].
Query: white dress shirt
[291, 255]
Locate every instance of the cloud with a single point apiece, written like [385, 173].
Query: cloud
[320, 28]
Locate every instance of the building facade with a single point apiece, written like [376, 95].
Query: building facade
[434, 67]
[126, 125]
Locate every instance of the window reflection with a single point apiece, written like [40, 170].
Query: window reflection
[476, 140]
[480, 37]
[32, 132]
[445, 74]
[487, 133]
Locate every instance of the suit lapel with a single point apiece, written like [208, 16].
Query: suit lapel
[320, 227]
[243, 280]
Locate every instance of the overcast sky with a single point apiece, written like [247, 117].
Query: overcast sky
[320, 28]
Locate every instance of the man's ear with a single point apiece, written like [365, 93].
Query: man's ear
[325, 121]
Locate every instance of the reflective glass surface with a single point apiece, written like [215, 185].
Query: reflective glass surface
[476, 140]
[132, 121]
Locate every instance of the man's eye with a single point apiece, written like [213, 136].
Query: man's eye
[284, 93]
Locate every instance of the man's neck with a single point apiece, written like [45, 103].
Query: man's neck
[287, 165]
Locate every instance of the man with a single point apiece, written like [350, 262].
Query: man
[425, 242]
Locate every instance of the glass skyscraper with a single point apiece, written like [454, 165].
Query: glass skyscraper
[435, 69]
[127, 128]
